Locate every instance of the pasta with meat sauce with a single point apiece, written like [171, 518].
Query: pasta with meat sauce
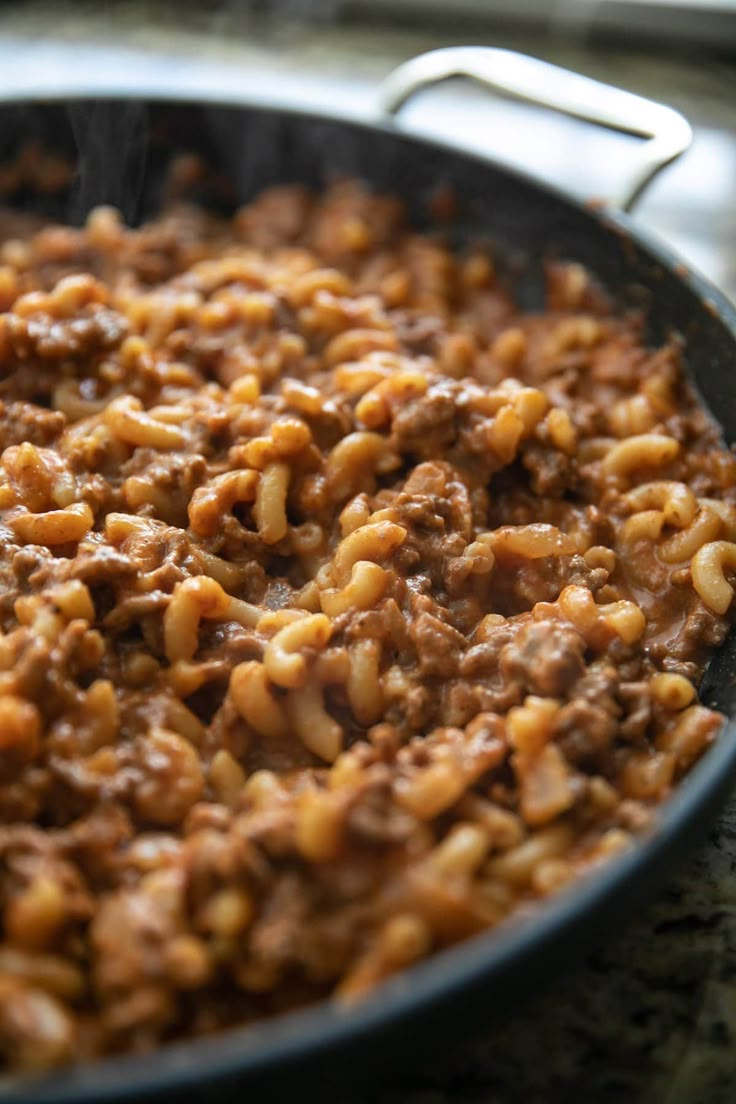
[346, 608]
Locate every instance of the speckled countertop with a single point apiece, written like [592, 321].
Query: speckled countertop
[650, 1017]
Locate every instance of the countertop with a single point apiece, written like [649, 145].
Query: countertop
[650, 1016]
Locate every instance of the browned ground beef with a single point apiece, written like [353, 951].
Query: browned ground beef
[345, 608]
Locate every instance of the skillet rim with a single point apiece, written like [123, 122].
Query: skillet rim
[565, 923]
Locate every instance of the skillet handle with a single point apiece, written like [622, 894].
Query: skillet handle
[668, 133]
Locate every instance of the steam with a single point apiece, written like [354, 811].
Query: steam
[112, 144]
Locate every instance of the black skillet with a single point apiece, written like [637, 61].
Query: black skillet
[128, 144]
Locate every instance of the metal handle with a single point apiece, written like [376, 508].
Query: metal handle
[668, 132]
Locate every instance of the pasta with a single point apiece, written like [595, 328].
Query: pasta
[345, 608]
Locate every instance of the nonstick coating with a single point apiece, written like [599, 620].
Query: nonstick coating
[123, 149]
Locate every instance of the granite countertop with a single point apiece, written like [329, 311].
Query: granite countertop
[650, 1016]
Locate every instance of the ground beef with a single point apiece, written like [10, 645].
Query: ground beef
[426, 426]
[545, 659]
[48, 338]
[325, 603]
[438, 646]
[24, 421]
[585, 732]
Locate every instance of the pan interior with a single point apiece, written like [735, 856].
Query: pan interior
[124, 149]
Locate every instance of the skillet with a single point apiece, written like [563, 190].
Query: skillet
[128, 145]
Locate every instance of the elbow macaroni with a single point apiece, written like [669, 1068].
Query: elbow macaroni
[347, 607]
[197, 598]
[709, 567]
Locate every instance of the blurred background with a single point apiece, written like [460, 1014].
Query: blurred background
[332, 54]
